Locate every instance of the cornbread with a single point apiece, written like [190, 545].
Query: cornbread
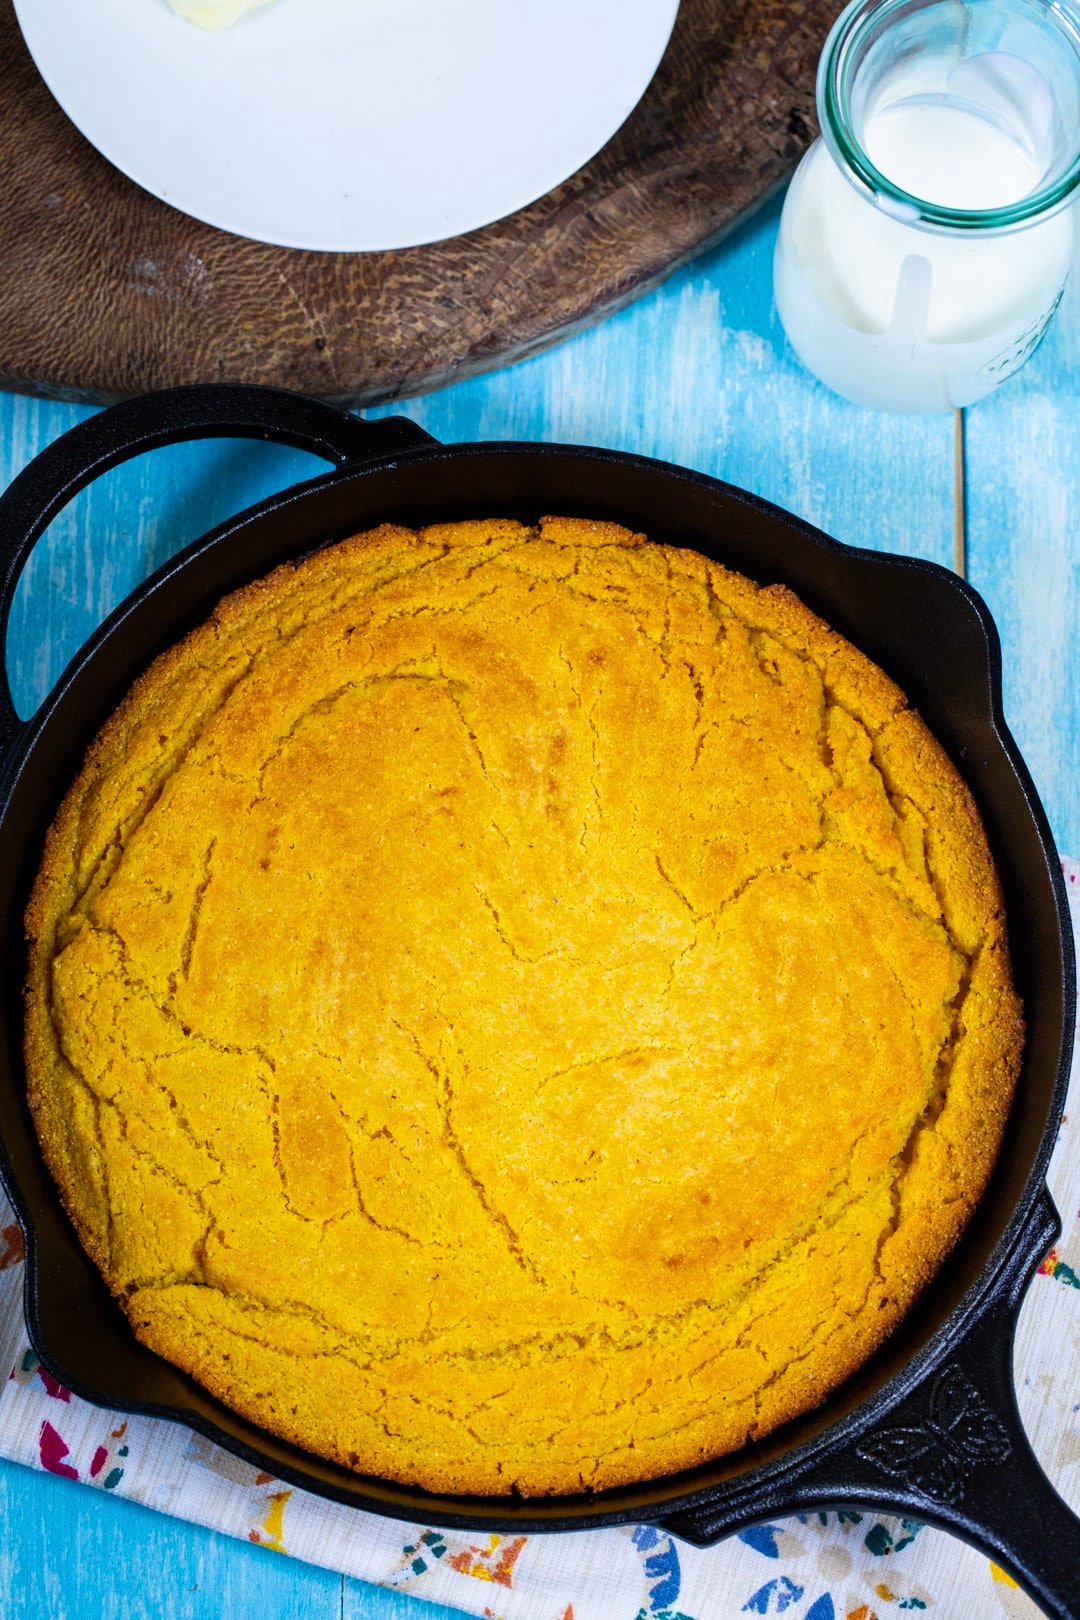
[517, 1008]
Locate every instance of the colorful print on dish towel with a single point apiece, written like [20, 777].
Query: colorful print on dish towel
[820, 1566]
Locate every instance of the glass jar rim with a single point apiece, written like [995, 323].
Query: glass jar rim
[833, 97]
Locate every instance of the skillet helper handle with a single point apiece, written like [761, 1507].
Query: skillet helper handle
[952, 1452]
[203, 411]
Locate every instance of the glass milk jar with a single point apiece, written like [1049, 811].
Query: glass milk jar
[926, 236]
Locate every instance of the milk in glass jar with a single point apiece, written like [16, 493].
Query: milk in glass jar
[926, 236]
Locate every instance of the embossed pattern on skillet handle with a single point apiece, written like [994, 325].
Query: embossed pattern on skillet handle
[216, 410]
[950, 1450]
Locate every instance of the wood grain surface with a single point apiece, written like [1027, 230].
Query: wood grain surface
[106, 291]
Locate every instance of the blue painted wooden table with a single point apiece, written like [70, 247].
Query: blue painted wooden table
[696, 373]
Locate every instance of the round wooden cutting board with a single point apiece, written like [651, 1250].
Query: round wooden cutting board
[105, 291]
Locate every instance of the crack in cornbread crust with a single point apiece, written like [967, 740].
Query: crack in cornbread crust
[517, 1008]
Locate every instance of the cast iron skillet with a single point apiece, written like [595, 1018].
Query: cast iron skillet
[930, 1426]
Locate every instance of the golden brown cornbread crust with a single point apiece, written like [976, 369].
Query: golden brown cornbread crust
[517, 1008]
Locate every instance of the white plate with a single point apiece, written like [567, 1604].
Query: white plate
[350, 125]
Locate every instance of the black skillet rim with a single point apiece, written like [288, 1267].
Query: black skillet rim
[680, 1490]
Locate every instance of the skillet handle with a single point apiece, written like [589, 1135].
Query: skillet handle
[953, 1452]
[204, 411]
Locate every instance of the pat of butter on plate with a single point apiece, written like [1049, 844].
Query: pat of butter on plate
[214, 13]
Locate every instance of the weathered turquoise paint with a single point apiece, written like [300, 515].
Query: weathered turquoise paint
[696, 373]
